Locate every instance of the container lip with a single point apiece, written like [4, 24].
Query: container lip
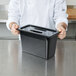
[38, 27]
[56, 32]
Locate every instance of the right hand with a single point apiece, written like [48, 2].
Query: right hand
[13, 26]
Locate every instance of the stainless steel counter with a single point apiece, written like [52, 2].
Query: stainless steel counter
[3, 13]
[15, 63]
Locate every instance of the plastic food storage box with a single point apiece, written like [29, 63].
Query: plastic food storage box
[38, 41]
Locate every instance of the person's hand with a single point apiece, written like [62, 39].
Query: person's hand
[61, 27]
[13, 26]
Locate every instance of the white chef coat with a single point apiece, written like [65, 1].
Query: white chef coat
[45, 13]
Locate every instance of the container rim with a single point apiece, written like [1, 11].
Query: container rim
[56, 32]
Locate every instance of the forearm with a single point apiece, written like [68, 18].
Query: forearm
[63, 24]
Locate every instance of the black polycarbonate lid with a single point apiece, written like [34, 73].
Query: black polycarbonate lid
[39, 30]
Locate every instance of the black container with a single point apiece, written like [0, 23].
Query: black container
[38, 41]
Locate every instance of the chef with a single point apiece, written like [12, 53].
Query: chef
[45, 13]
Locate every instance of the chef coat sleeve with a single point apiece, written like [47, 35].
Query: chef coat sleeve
[60, 14]
[13, 12]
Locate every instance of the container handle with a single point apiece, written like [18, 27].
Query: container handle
[36, 31]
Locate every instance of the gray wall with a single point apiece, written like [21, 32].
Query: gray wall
[71, 2]
[71, 33]
[4, 2]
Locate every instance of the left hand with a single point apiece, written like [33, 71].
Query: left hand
[61, 27]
